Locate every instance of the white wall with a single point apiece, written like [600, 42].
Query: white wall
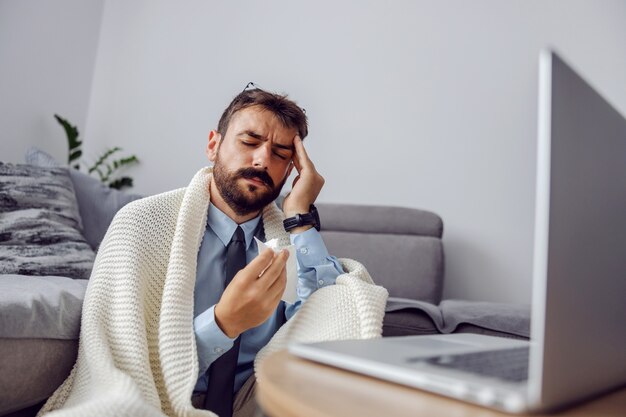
[47, 57]
[412, 103]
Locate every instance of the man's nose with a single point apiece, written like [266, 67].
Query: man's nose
[262, 156]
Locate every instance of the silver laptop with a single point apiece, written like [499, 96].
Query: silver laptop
[578, 330]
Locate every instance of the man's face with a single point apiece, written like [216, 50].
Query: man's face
[253, 159]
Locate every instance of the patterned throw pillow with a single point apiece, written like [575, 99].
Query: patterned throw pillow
[97, 203]
[40, 226]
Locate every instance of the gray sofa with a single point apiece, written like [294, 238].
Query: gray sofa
[401, 248]
[403, 252]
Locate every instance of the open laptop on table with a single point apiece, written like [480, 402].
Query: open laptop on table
[578, 330]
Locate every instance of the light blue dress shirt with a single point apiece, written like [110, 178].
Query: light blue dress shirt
[316, 269]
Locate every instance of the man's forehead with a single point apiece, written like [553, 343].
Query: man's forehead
[261, 124]
[255, 115]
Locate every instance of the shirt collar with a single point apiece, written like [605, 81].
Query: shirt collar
[224, 227]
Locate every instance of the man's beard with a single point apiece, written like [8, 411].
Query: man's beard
[235, 196]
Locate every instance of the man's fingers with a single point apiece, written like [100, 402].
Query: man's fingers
[299, 147]
[296, 163]
[271, 274]
[295, 158]
[302, 157]
[295, 180]
[259, 264]
[278, 287]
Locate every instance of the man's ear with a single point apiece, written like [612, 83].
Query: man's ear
[213, 145]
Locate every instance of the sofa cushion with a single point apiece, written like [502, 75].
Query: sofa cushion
[40, 225]
[407, 266]
[35, 156]
[406, 317]
[408, 322]
[400, 247]
[380, 219]
[40, 307]
[31, 370]
[97, 202]
[98, 205]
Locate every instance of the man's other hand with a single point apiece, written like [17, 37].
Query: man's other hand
[306, 186]
[253, 294]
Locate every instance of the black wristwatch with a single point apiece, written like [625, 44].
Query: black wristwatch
[305, 219]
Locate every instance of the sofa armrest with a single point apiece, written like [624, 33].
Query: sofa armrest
[406, 317]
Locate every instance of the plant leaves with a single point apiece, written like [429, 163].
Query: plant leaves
[121, 182]
[75, 155]
[70, 131]
[103, 158]
[103, 167]
[99, 173]
[125, 161]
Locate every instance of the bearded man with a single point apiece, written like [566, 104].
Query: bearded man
[257, 144]
[181, 300]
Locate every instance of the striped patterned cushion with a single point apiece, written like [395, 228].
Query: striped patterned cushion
[40, 226]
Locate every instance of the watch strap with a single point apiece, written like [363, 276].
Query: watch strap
[303, 219]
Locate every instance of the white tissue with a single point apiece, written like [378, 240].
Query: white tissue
[290, 295]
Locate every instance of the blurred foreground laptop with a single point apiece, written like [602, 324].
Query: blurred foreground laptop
[578, 335]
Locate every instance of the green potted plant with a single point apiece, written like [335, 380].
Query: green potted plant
[106, 166]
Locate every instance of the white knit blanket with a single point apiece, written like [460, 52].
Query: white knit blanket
[137, 351]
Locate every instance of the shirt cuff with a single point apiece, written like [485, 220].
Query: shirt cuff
[312, 255]
[310, 248]
[211, 341]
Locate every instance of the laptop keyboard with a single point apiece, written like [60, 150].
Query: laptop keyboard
[507, 364]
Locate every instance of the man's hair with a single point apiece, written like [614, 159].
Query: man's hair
[287, 111]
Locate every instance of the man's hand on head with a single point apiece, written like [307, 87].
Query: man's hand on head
[306, 186]
[253, 294]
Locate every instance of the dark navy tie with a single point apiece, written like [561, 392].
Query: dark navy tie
[221, 373]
